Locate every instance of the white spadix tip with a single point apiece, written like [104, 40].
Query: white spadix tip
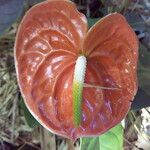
[80, 68]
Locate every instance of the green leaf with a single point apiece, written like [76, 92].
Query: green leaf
[31, 121]
[144, 69]
[142, 98]
[92, 21]
[111, 140]
[144, 56]
[90, 143]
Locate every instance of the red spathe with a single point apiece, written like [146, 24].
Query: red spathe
[50, 38]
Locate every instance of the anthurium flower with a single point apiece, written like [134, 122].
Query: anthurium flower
[75, 82]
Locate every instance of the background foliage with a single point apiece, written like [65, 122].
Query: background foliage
[18, 129]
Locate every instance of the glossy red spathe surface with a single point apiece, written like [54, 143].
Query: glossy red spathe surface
[50, 38]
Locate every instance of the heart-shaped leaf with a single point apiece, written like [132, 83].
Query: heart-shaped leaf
[10, 10]
[111, 140]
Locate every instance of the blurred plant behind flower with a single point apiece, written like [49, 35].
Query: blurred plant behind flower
[18, 129]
